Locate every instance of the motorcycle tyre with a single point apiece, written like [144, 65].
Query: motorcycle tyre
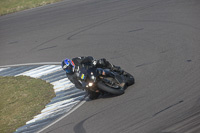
[105, 88]
[93, 95]
[130, 79]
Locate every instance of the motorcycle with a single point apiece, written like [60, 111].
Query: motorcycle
[112, 82]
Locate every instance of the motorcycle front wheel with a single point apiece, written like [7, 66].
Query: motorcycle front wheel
[108, 89]
[93, 95]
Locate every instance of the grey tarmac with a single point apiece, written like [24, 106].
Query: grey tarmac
[157, 41]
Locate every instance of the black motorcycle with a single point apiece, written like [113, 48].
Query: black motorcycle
[113, 82]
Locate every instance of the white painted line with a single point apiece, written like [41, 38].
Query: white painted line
[63, 85]
[62, 108]
[62, 102]
[65, 88]
[58, 84]
[1, 69]
[55, 78]
[57, 109]
[53, 108]
[31, 64]
[46, 72]
[48, 116]
[34, 72]
[56, 90]
[71, 100]
[60, 81]
[81, 103]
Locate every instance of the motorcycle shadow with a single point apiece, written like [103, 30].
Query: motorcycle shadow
[107, 95]
[104, 96]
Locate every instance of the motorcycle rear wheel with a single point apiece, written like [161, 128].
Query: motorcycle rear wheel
[130, 79]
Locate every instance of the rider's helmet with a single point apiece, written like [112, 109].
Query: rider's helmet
[68, 66]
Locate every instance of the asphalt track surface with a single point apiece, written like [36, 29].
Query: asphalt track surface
[158, 41]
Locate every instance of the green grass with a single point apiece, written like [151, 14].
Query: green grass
[10, 6]
[21, 98]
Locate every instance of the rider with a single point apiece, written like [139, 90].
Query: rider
[72, 67]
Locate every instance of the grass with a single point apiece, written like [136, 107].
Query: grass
[21, 98]
[11, 6]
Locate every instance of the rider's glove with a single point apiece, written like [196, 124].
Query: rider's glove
[94, 62]
[117, 69]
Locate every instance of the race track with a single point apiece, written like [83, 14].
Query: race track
[158, 41]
